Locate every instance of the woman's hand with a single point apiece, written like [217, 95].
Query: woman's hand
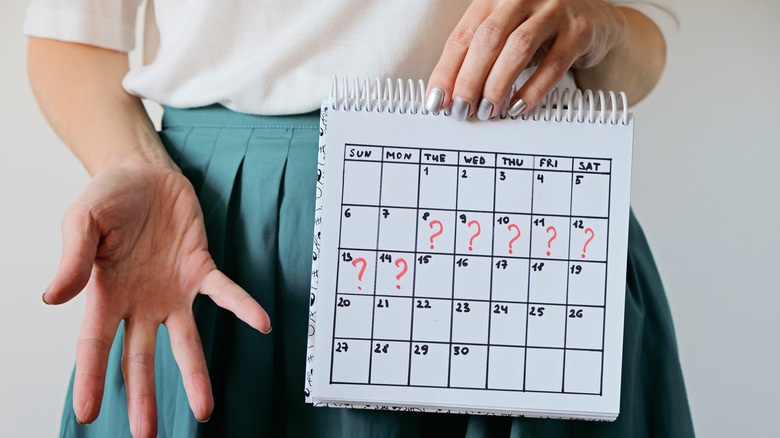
[496, 39]
[135, 242]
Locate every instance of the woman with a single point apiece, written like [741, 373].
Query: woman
[215, 204]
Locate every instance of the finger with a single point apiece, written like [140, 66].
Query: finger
[486, 45]
[80, 238]
[518, 52]
[188, 352]
[551, 70]
[228, 295]
[442, 80]
[98, 329]
[138, 370]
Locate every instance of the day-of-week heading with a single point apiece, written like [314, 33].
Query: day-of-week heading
[591, 165]
[553, 163]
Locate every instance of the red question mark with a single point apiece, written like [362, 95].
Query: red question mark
[441, 230]
[592, 235]
[398, 263]
[555, 234]
[479, 230]
[515, 238]
[362, 269]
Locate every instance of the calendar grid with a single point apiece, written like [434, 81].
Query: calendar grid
[606, 272]
[528, 286]
[566, 324]
[338, 269]
[414, 278]
[452, 301]
[384, 335]
[490, 306]
[376, 268]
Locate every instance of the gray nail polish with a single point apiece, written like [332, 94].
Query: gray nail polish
[485, 108]
[515, 108]
[460, 109]
[435, 98]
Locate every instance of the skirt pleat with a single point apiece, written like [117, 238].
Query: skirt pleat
[255, 179]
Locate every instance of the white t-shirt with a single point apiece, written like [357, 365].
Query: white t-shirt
[267, 57]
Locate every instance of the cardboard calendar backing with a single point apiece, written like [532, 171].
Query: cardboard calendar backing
[469, 266]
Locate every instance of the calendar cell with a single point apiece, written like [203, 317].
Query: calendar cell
[550, 237]
[437, 186]
[361, 182]
[547, 281]
[395, 176]
[435, 231]
[507, 323]
[356, 272]
[585, 327]
[354, 233]
[433, 275]
[392, 318]
[429, 364]
[384, 362]
[511, 237]
[353, 316]
[350, 361]
[513, 190]
[544, 369]
[395, 273]
[431, 320]
[397, 228]
[468, 366]
[588, 239]
[552, 192]
[546, 325]
[590, 195]
[472, 277]
[510, 279]
[587, 283]
[501, 376]
[470, 321]
[475, 188]
[473, 233]
[583, 372]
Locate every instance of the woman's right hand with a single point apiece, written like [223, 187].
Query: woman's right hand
[135, 242]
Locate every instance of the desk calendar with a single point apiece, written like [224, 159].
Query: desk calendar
[470, 266]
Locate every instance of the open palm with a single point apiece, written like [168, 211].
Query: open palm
[135, 242]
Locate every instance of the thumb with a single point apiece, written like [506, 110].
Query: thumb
[80, 238]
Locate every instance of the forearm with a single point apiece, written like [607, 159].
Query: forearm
[634, 64]
[79, 90]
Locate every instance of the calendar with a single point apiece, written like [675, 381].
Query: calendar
[470, 266]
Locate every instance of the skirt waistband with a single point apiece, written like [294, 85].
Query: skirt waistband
[217, 116]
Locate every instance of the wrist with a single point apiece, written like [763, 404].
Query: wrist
[136, 146]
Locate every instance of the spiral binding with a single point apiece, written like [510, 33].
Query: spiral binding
[409, 97]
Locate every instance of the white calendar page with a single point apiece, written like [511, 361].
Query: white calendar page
[470, 266]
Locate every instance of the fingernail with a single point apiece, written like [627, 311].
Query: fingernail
[515, 108]
[204, 421]
[485, 108]
[265, 333]
[43, 296]
[80, 422]
[460, 109]
[435, 98]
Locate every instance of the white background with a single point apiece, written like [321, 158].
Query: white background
[705, 187]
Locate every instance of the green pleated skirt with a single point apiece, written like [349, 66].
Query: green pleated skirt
[255, 178]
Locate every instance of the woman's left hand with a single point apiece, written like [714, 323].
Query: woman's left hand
[496, 39]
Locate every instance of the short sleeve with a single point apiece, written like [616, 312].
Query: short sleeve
[105, 23]
[661, 12]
